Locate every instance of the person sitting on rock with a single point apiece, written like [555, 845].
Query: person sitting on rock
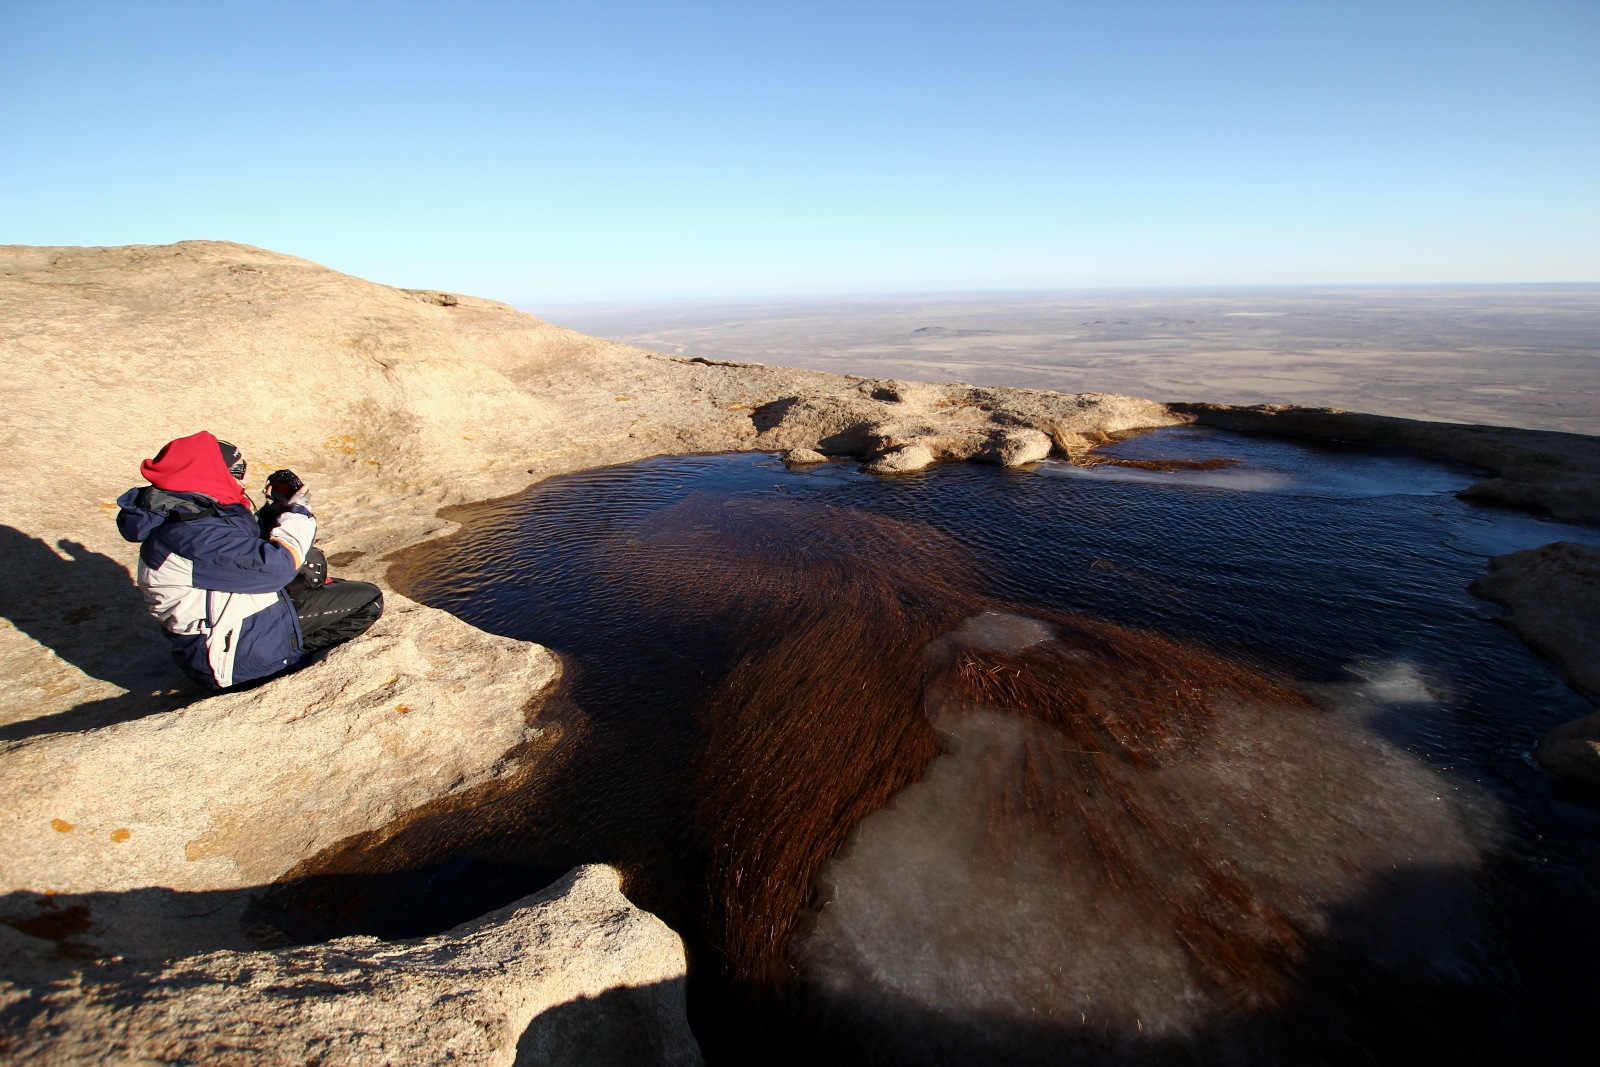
[241, 596]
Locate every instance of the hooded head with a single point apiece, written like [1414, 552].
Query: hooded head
[195, 464]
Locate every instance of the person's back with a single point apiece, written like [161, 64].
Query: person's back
[216, 585]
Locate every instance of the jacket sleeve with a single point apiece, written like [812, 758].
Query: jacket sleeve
[231, 561]
[295, 531]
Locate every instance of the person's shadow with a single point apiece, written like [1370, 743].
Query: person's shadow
[86, 609]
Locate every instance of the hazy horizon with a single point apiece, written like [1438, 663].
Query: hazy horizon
[544, 309]
[1516, 355]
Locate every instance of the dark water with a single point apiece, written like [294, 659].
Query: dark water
[1436, 893]
[1331, 563]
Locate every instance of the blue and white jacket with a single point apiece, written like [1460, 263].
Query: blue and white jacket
[215, 585]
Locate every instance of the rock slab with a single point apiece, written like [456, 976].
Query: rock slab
[572, 975]
[235, 789]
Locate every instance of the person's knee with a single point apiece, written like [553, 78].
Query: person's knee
[368, 616]
[363, 617]
[339, 612]
[371, 608]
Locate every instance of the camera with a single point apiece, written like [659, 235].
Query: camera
[283, 485]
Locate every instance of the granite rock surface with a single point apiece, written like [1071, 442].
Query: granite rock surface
[572, 975]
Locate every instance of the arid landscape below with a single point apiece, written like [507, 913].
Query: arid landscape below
[1525, 356]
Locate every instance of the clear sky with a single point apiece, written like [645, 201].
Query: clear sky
[559, 153]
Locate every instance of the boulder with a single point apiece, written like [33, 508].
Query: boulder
[903, 459]
[1016, 448]
[1552, 601]
[1572, 750]
[896, 424]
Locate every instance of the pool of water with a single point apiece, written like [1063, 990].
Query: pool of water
[1335, 564]
[1336, 730]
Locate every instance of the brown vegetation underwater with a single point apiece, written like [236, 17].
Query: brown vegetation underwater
[908, 822]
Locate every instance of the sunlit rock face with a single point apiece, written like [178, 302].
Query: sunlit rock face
[572, 974]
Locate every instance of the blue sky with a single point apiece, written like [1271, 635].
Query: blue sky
[561, 153]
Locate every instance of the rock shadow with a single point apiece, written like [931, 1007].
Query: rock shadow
[148, 924]
[85, 608]
[621, 1027]
[853, 439]
[123, 945]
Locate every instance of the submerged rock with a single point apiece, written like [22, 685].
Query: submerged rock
[1114, 853]
[574, 975]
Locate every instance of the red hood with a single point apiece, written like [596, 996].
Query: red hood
[194, 464]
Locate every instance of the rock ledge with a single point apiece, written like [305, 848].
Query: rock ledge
[574, 974]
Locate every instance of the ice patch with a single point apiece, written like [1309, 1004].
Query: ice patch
[1495, 533]
[1373, 478]
[1377, 685]
[1238, 481]
[998, 631]
[1393, 682]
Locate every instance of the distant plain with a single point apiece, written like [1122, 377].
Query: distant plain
[1524, 355]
